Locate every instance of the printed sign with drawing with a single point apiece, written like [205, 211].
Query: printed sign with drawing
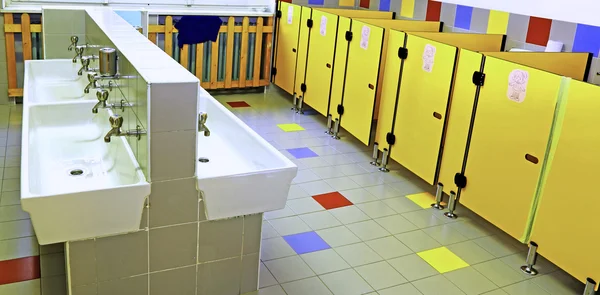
[517, 85]
[323, 28]
[428, 58]
[364, 37]
[290, 14]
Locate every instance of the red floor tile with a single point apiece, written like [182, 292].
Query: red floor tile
[19, 270]
[332, 200]
[238, 104]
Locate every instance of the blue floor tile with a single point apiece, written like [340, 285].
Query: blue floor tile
[306, 242]
[301, 153]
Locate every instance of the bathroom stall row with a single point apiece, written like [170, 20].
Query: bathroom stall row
[509, 135]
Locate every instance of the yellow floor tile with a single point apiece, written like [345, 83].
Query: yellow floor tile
[442, 259]
[290, 127]
[423, 199]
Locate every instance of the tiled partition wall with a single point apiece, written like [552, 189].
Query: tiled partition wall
[61, 25]
[176, 251]
[526, 32]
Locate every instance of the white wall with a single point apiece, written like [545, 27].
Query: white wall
[575, 11]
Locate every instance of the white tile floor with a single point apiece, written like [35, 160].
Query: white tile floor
[374, 243]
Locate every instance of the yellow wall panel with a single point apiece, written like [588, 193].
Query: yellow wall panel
[319, 67]
[570, 64]
[512, 121]
[359, 13]
[339, 66]
[407, 8]
[287, 43]
[459, 118]
[424, 94]
[567, 216]
[361, 80]
[497, 22]
[389, 87]
[346, 3]
[303, 40]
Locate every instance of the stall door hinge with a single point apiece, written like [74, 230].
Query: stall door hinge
[460, 180]
[303, 87]
[390, 138]
[278, 14]
[348, 36]
[402, 52]
[340, 109]
[309, 23]
[478, 78]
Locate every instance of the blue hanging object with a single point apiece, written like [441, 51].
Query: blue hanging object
[194, 29]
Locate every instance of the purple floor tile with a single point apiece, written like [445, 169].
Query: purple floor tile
[301, 153]
[306, 242]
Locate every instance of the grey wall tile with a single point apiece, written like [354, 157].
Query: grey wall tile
[420, 10]
[174, 107]
[85, 290]
[52, 248]
[594, 76]
[479, 20]
[517, 27]
[219, 239]
[252, 231]
[374, 5]
[249, 273]
[82, 262]
[173, 246]
[173, 202]
[511, 43]
[122, 256]
[144, 220]
[181, 281]
[128, 286]
[165, 162]
[534, 47]
[201, 208]
[52, 264]
[395, 6]
[563, 32]
[219, 277]
[55, 285]
[448, 13]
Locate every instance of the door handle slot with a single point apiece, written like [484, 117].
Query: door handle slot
[531, 158]
[437, 115]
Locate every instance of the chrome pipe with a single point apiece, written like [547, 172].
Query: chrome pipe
[384, 161]
[590, 287]
[451, 206]
[336, 129]
[375, 155]
[439, 193]
[530, 261]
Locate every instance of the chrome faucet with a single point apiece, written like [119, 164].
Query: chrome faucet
[116, 122]
[74, 40]
[202, 117]
[79, 49]
[102, 96]
[94, 83]
[85, 64]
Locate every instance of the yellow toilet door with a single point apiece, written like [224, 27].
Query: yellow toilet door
[389, 93]
[287, 46]
[510, 135]
[303, 40]
[362, 74]
[339, 65]
[319, 65]
[422, 104]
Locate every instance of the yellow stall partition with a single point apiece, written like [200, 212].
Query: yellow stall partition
[286, 48]
[319, 67]
[567, 215]
[362, 74]
[302, 51]
[464, 95]
[352, 13]
[339, 65]
[510, 134]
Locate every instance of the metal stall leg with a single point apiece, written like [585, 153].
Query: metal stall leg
[375, 155]
[530, 261]
[300, 105]
[336, 129]
[295, 107]
[590, 286]
[329, 125]
[384, 161]
[451, 206]
[438, 197]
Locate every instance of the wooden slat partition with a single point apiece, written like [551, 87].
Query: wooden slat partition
[262, 28]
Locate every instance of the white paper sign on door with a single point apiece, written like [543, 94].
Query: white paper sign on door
[323, 28]
[428, 58]
[290, 14]
[517, 85]
[364, 37]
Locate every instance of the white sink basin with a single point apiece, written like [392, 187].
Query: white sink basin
[244, 173]
[73, 184]
[55, 80]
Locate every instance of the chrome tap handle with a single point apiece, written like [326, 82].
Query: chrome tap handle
[78, 53]
[85, 64]
[74, 40]
[116, 121]
[102, 96]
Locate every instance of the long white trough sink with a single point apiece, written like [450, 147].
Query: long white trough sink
[73, 184]
[55, 80]
[244, 173]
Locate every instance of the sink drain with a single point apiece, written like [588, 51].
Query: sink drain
[76, 172]
[203, 160]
